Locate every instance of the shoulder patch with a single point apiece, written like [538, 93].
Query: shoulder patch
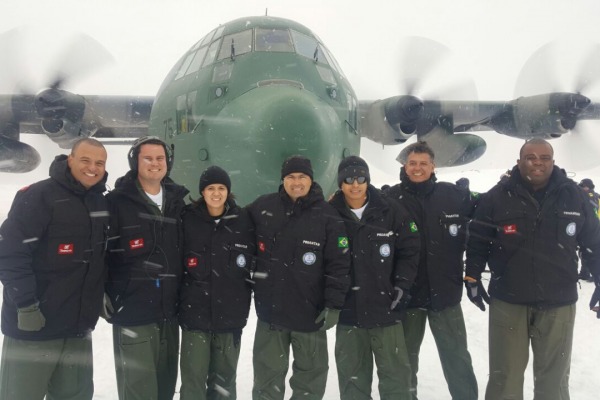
[24, 188]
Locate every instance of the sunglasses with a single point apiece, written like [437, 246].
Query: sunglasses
[360, 179]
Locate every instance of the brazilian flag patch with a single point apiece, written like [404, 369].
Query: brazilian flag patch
[413, 227]
[343, 242]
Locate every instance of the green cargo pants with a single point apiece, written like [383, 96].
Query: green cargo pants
[146, 359]
[354, 352]
[60, 369]
[208, 365]
[450, 335]
[512, 328]
[271, 355]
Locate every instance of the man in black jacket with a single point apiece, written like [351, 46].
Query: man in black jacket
[384, 246]
[527, 228]
[442, 211]
[52, 251]
[300, 283]
[145, 269]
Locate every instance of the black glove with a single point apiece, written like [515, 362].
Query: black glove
[594, 306]
[401, 300]
[330, 318]
[477, 294]
[30, 318]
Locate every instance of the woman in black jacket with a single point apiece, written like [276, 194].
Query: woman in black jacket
[215, 296]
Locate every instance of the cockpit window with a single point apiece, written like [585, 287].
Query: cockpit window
[206, 39]
[276, 40]
[308, 47]
[197, 61]
[184, 65]
[212, 51]
[332, 60]
[236, 44]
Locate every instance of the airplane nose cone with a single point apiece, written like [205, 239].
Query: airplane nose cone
[274, 122]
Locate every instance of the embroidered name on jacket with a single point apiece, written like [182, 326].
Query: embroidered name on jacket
[136, 244]
[575, 213]
[510, 229]
[65, 248]
[388, 234]
[311, 243]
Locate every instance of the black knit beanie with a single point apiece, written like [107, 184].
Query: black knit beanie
[352, 166]
[295, 164]
[588, 183]
[214, 174]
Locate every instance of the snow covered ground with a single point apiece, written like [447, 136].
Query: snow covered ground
[584, 373]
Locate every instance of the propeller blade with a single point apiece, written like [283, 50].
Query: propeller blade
[429, 70]
[571, 66]
[80, 57]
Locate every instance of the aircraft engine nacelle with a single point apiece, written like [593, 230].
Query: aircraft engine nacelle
[547, 115]
[62, 114]
[391, 121]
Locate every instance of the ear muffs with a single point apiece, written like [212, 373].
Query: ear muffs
[134, 151]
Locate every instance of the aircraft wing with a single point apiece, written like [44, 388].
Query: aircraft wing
[446, 125]
[65, 117]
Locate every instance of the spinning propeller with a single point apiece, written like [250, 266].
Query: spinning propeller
[60, 111]
[568, 67]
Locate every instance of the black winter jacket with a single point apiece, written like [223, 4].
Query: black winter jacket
[302, 259]
[145, 263]
[442, 211]
[215, 295]
[384, 246]
[531, 247]
[52, 251]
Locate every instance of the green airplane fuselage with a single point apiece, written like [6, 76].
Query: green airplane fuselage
[251, 93]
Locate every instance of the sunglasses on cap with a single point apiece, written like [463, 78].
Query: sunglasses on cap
[350, 179]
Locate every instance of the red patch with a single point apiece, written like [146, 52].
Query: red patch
[510, 229]
[136, 244]
[192, 262]
[65, 248]
[23, 189]
[261, 246]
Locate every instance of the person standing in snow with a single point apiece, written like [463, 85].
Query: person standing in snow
[145, 268]
[52, 248]
[587, 185]
[300, 283]
[527, 229]
[384, 247]
[442, 211]
[218, 248]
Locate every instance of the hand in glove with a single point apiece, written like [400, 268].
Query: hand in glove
[401, 300]
[107, 308]
[594, 306]
[30, 318]
[330, 318]
[476, 292]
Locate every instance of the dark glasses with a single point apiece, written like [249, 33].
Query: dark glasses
[360, 179]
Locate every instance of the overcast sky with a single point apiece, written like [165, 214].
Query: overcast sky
[490, 41]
